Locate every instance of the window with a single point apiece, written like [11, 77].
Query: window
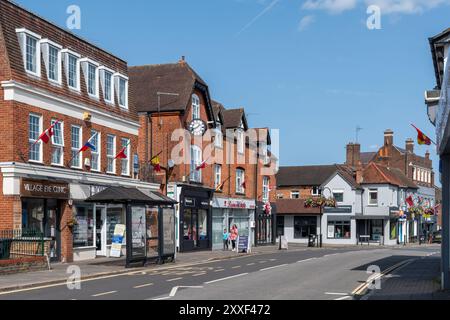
[304, 227]
[295, 194]
[111, 153]
[76, 146]
[393, 228]
[34, 131]
[217, 175]
[95, 154]
[53, 63]
[339, 229]
[122, 89]
[73, 71]
[280, 226]
[373, 197]
[92, 79]
[58, 144]
[265, 154]
[106, 77]
[338, 196]
[196, 160]
[316, 191]
[31, 52]
[414, 172]
[83, 232]
[114, 216]
[126, 162]
[218, 142]
[265, 192]
[240, 141]
[240, 180]
[195, 107]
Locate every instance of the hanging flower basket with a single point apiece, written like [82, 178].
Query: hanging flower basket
[429, 212]
[320, 202]
[72, 223]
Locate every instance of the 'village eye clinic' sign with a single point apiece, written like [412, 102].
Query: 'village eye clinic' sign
[44, 189]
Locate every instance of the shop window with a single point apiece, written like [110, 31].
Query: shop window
[114, 216]
[83, 232]
[304, 227]
[339, 229]
[202, 225]
[394, 231]
[189, 229]
[280, 226]
[58, 143]
[33, 214]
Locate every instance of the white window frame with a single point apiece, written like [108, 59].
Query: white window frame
[46, 44]
[111, 156]
[265, 188]
[369, 199]
[195, 107]
[23, 34]
[66, 53]
[196, 160]
[316, 194]
[117, 77]
[98, 151]
[32, 141]
[127, 160]
[80, 144]
[218, 140]
[102, 73]
[240, 179]
[217, 175]
[340, 191]
[59, 146]
[296, 193]
[240, 141]
[86, 63]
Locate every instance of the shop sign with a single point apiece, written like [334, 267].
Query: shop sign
[189, 202]
[44, 189]
[234, 203]
[338, 209]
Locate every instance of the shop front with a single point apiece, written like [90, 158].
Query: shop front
[265, 223]
[42, 204]
[227, 212]
[373, 229]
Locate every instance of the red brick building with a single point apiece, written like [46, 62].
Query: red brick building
[184, 129]
[49, 76]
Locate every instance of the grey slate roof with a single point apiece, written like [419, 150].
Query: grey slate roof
[125, 194]
[304, 175]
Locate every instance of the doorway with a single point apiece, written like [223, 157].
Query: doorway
[100, 230]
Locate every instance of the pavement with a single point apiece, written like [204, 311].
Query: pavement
[267, 274]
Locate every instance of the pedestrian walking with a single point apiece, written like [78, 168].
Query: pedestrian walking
[226, 239]
[234, 234]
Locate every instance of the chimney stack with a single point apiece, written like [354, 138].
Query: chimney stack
[182, 60]
[427, 155]
[353, 154]
[410, 145]
[388, 138]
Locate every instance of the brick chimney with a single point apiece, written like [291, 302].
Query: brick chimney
[182, 60]
[410, 145]
[353, 154]
[388, 138]
[427, 155]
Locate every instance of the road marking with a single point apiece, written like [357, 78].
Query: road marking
[342, 298]
[336, 294]
[199, 274]
[236, 267]
[306, 260]
[270, 268]
[103, 294]
[174, 290]
[251, 264]
[143, 286]
[262, 261]
[227, 278]
[175, 279]
[163, 298]
[273, 260]
[219, 270]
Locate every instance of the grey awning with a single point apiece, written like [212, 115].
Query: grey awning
[130, 195]
[371, 217]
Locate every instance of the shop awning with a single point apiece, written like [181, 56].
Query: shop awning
[130, 195]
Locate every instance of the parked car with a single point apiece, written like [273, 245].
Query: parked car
[437, 237]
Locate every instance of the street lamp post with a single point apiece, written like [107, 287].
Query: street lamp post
[321, 213]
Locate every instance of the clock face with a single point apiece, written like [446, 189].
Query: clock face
[197, 127]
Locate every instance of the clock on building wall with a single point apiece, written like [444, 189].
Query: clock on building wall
[197, 127]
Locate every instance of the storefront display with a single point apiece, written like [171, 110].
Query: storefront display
[115, 215]
[83, 231]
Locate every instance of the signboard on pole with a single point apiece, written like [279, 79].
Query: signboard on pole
[117, 240]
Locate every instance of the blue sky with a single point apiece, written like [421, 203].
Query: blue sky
[308, 67]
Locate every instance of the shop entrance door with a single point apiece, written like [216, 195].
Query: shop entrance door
[52, 228]
[100, 230]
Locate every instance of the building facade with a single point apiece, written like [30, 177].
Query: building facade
[52, 78]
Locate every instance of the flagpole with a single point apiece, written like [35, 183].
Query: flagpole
[422, 132]
[48, 129]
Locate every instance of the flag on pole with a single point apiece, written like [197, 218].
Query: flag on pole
[88, 145]
[155, 162]
[122, 154]
[47, 134]
[244, 185]
[201, 166]
[422, 138]
[410, 201]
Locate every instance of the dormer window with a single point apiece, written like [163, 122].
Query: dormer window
[52, 59]
[90, 69]
[72, 66]
[121, 84]
[31, 51]
[106, 78]
[195, 107]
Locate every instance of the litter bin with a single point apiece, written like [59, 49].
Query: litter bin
[312, 240]
[5, 248]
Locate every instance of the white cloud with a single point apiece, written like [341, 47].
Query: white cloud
[305, 22]
[332, 6]
[406, 6]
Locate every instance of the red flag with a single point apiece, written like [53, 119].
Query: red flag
[201, 166]
[422, 138]
[244, 185]
[121, 154]
[410, 201]
[47, 134]
[156, 164]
